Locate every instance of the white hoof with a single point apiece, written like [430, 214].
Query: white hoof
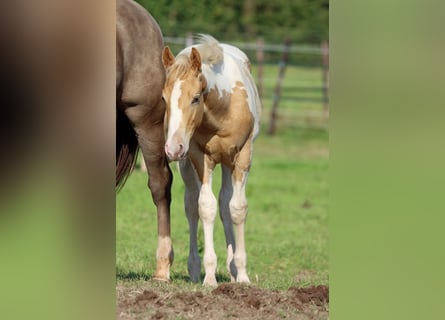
[210, 281]
[242, 278]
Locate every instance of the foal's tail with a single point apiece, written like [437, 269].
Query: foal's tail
[126, 148]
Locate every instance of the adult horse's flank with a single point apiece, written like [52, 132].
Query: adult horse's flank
[213, 113]
[140, 110]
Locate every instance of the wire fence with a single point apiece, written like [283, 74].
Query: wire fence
[254, 46]
[300, 55]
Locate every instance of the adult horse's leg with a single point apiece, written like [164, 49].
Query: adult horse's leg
[225, 195]
[192, 187]
[150, 133]
[238, 207]
[159, 182]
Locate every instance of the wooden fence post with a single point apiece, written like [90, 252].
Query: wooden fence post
[260, 62]
[325, 59]
[188, 39]
[277, 92]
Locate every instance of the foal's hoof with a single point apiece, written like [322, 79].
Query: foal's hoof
[195, 279]
[242, 279]
[210, 282]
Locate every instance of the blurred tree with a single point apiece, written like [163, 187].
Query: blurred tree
[301, 21]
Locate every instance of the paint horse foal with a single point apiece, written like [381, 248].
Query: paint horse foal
[213, 112]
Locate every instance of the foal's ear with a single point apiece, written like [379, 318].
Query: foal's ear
[195, 59]
[203, 83]
[167, 57]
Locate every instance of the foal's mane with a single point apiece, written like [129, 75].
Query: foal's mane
[209, 49]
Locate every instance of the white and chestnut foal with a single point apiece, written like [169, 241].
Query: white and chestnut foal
[213, 112]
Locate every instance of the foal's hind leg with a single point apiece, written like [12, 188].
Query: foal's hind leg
[151, 141]
[225, 195]
[192, 186]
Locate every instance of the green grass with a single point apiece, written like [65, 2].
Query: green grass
[286, 231]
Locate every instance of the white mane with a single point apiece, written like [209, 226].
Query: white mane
[209, 49]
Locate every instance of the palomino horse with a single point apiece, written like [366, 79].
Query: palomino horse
[213, 112]
[140, 109]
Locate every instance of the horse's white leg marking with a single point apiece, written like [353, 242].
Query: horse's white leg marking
[192, 186]
[165, 249]
[238, 207]
[224, 198]
[238, 211]
[207, 211]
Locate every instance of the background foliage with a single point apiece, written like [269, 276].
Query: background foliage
[300, 21]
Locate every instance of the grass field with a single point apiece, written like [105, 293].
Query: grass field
[287, 191]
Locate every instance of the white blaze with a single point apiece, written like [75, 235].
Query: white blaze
[175, 112]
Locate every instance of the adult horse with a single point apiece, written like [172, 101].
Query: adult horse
[213, 112]
[140, 77]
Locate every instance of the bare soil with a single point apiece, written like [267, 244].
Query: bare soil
[227, 301]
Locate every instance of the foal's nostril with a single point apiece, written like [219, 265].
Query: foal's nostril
[181, 146]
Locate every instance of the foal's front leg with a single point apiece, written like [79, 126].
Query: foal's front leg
[207, 207]
[238, 211]
[238, 208]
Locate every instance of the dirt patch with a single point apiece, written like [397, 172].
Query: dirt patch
[146, 297]
[318, 295]
[227, 301]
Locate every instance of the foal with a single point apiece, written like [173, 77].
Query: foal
[213, 113]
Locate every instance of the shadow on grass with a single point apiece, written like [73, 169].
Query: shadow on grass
[185, 277]
[132, 276]
[135, 276]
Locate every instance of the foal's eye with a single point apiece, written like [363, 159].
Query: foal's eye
[195, 99]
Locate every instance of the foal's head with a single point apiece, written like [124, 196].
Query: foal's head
[183, 94]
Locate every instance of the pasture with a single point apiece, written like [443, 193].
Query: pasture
[286, 230]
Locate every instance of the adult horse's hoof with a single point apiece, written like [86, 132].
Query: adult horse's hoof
[161, 279]
[162, 273]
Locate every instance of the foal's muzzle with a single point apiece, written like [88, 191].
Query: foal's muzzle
[175, 152]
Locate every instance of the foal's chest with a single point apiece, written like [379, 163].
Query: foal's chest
[222, 149]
